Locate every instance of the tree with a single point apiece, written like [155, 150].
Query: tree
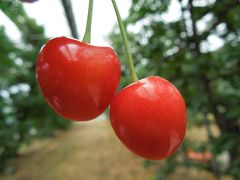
[24, 114]
[207, 76]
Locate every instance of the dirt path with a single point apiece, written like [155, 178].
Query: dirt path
[88, 151]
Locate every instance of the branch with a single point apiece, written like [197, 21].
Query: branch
[70, 17]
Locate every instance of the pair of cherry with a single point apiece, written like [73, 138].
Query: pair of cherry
[79, 81]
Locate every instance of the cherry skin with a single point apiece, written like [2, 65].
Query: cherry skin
[78, 80]
[149, 117]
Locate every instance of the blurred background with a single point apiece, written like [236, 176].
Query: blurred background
[195, 44]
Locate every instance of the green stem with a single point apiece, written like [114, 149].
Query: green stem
[87, 34]
[125, 40]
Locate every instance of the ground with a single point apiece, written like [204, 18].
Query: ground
[87, 151]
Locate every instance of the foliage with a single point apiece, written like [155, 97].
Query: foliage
[24, 114]
[207, 75]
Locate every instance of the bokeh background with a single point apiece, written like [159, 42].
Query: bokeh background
[195, 44]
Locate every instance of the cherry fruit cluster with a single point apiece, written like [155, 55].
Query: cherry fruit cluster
[79, 81]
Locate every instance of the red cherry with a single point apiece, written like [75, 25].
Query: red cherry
[78, 80]
[149, 117]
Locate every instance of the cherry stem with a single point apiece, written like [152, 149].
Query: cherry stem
[125, 40]
[87, 34]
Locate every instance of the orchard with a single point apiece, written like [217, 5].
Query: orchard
[161, 82]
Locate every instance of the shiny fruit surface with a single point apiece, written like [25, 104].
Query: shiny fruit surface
[149, 117]
[78, 80]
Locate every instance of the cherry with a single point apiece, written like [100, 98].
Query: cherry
[149, 117]
[78, 80]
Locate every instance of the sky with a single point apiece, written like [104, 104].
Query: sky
[50, 14]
